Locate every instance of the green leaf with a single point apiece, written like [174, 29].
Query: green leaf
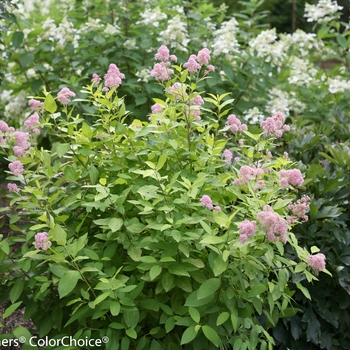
[70, 173]
[154, 272]
[50, 104]
[130, 332]
[178, 270]
[211, 240]
[303, 290]
[58, 234]
[62, 149]
[219, 265]
[68, 282]
[115, 224]
[161, 161]
[209, 287]
[17, 39]
[11, 309]
[16, 290]
[94, 174]
[222, 318]
[26, 59]
[115, 308]
[21, 332]
[188, 335]
[194, 313]
[234, 321]
[211, 335]
[257, 290]
[86, 130]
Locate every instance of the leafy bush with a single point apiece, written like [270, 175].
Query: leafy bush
[150, 233]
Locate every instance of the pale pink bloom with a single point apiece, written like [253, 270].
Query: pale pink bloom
[96, 79]
[105, 89]
[157, 108]
[198, 100]
[12, 187]
[161, 71]
[243, 238]
[260, 184]
[197, 118]
[3, 126]
[177, 91]
[317, 261]
[235, 124]
[41, 241]
[22, 139]
[290, 177]
[192, 65]
[237, 159]
[247, 227]
[195, 112]
[163, 54]
[300, 208]
[35, 104]
[173, 58]
[273, 224]
[19, 151]
[64, 96]
[16, 167]
[211, 68]
[227, 154]
[274, 126]
[32, 121]
[217, 208]
[203, 56]
[113, 78]
[207, 202]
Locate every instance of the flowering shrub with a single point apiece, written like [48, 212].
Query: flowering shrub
[141, 232]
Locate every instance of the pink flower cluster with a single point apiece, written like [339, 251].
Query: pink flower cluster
[113, 78]
[35, 105]
[22, 143]
[208, 203]
[64, 96]
[274, 126]
[299, 209]
[227, 154]
[291, 177]
[41, 241]
[247, 173]
[31, 122]
[16, 167]
[235, 124]
[161, 71]
[157, 108]
[273, 224]
[11, 187]
[95, 79]
[247, 229]
[317, 261]
[195, 63]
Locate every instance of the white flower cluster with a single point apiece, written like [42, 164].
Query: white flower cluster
[90, 25]
[16, 106]
[282, 101]
[144, 75]
[338, 85]
[302, 72]
[253, 116]
[305, 42]
[175, 35]
[266, 45]
[64, 32]
[224, 39]
[152, 17]
[322, 12]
